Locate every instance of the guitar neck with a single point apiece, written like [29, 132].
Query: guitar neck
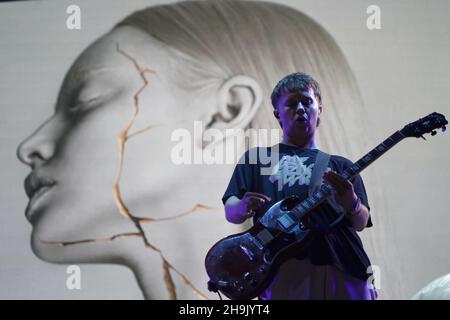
[373, 155]
[325, 190]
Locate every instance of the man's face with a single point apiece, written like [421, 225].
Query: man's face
[297, 113]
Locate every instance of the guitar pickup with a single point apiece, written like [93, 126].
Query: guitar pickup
[286, 222]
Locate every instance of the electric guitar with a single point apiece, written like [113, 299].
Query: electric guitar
[241, 266]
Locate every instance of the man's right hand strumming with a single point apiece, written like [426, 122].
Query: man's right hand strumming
[238, 210]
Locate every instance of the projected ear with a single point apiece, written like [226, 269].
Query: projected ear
[237, 101]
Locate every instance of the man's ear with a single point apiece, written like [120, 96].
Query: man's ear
[318, 115]
[276, 114]
[238, 100]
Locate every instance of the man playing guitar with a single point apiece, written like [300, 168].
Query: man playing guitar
[334, 265]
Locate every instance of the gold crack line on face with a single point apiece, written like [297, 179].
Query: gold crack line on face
[108, 239]
[170, 285]
[131, 135]
[197, 207]
[122, 137]
[167, 266]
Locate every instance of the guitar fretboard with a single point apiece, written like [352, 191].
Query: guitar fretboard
[325, 190]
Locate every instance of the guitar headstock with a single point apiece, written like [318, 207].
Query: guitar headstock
[427, 124]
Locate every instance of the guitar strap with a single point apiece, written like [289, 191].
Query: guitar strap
[319, 168]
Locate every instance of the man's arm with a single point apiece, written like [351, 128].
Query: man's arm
[360, 218]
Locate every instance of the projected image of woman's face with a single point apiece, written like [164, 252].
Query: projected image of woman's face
[74, 155]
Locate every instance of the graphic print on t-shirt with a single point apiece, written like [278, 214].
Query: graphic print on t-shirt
[291, 169]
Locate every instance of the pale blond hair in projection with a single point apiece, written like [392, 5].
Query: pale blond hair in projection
[266, 41]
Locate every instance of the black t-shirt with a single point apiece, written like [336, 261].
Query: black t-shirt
[339, 246]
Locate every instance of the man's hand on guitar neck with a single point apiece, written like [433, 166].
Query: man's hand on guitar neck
[238, 210]
[345, 195]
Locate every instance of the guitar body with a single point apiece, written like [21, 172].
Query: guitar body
[241, 266]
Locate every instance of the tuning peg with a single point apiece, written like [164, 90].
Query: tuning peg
[433, 133]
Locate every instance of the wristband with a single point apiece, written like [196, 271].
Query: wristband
[356, 209]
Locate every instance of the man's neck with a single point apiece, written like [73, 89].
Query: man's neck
[303, 144]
